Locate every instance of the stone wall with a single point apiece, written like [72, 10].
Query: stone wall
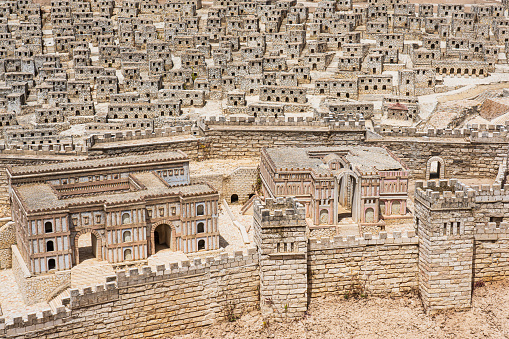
[491, 260]
[463, 159]
[36, 289]
[7, 239]
[247, 141]
[241, 181]
[151, 303]
[386, 264]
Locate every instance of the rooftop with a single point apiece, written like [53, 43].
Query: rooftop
[366, 159]
[97, 163]
[42, 196]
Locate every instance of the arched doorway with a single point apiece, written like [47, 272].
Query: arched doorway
[162, 238]
[435, 168]
[88, 245]
[348, 198]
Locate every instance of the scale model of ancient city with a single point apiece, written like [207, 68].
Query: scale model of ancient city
[167, 166]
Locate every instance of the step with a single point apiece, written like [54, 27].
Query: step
[57, 301]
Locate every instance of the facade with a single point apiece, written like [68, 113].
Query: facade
[367, 184]
[132, 206]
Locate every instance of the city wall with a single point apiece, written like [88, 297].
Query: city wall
[150, 302]
[180, 297]
[385, 264]
[473, 152]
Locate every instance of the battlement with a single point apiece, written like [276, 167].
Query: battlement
[47, 149]
[276, 210]
[93, 295]
[32, 321]
[491, 231]
[352, 123]
[474, 132]
[448, 194]
[174, 270]
[141, 134]
[383, 238]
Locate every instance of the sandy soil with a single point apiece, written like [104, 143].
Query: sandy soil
[335, 317]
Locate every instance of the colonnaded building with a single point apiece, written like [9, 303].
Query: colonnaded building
[131, 205]
[366, 184]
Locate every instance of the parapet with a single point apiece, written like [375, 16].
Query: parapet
[491, 231]
[383, 238]
[473, 133]
[351, 124]
[174, 270]
[279, 209]
[141, 134]
[20, 325]
[444, 194]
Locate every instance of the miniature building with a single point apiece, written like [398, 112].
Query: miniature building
[131, 206]
[366, 184]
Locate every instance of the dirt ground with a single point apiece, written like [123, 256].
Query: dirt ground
[402, 317]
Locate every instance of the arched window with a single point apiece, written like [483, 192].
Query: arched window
[48, 227]
[201, 244]
[126, 218]
[200, 228]
[50, 246]
[51, 264]
[126, 237]
[234, 198]
[128, 254]
[200, 210]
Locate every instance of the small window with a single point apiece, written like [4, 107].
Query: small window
[126, 218]
[51, 264]
[126, 237]
[201, 245]
[128, 254]
[200, 228]
[200, 210]
[48, 227]
[50, 246]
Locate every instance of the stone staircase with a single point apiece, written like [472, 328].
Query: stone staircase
[57, 301]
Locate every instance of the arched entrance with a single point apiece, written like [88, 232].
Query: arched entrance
[347, 196]
[435, 168]
[88, 245]
[163, 237]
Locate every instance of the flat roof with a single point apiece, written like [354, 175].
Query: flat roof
[42, 196]
[366, 159]
[98, 163]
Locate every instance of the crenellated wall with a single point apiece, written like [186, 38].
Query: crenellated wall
[385, 264]
[150, 302]
[476, 151]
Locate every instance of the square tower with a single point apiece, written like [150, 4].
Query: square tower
[445, 225]
[280, 235]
